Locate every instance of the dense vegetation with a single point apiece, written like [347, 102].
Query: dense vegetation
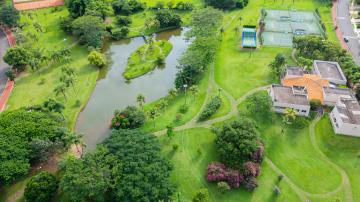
[126, 167]
[27, 136]
[204, 32]
[227, 4]
[211, 108]
[41, 187]
[9, 16]
[128, 118]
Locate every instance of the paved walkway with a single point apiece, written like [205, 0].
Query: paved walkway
[341, 15]
[38, 4]
[4, 45]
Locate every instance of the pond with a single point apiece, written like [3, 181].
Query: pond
[113, 92]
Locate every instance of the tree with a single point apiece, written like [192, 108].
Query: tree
[10, 74]
[289, 116]
[222, 4]
[76, 8]
[97, 59]
[123, 20]
[129, 118]
[172, 93]
[61, 89]
[19, 130]
[76, 139]
[260, 103]
[168, 19]
[194, 91]
[153, 113]
[277, 66]
[90, 30]
[236, 142]
[18, 57]
[140, 99]
[9, 16]
[41, 187]
[119, 33]
[202, 195]
[170, 130]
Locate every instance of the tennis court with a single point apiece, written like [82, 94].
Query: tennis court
[280, 26]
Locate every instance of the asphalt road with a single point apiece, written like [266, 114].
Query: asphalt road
[4, 44]
[346, 28]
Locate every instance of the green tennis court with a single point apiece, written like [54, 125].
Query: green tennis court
[280, 26]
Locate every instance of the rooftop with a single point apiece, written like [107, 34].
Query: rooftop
[294, 70]
[329, 70]
[290, 95]
[349, 110]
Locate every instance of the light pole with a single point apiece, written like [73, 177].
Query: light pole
[185, 86]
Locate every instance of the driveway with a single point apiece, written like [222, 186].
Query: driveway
[346, 28]
[4, 44]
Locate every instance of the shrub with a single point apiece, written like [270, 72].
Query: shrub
[97, 59]
[127, 7]
[65, 24]
[315, 104]
[119, 33]
[123, 20]
[257, 156]
[175, 147]
[129, 118]
[300, 122]
[276, 190]
[216, 172]
[250, 183]
[210, 108]
[183, 109]
[223, 186]
[260, 103]
[234, 178]
[9, 16]
[10, 74]
[90, 30]
[168, 19]
[184, 6]
[18, 57]
[202, 195]
[159, 5]
[41, 187]
[251, 169]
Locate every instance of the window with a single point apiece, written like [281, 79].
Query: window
[303, 111]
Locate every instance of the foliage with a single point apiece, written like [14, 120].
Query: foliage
[9, 16]
[289, 116]
[41, 187]
[97, 59]
[167, 18]
[201, 52]
[119, 33]
[10, 74]
[217, 172]
[202, 195]
[18, 57]
[251, 169]
[90, 30]
[260, 103]
[78, 8]
[129, 118]
[277, 66]
[236, 142]
[251, 183]
[183, 109]
[227, 4]
[315, 104]
[315, 48]
[127, 7]
[19, 130]
[123, 20]
[210, 108]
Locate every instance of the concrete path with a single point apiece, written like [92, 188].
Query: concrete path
[343, 21]
[4, 45]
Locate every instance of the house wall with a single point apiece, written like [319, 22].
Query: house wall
[301, 110]
[342, 128]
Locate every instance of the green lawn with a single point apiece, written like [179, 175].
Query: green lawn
[239, 71]
[145, 58]
[35, 87]
[343, 150]
[190, 167]
[196, 3]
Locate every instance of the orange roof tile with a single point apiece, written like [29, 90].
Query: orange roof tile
[313, 83]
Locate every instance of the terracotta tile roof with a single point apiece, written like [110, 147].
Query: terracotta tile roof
[313, 83]
[30, 5]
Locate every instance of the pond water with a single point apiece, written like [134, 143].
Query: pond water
[114, 92]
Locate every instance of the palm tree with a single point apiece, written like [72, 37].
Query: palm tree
[140, 99]
[76, 139]
[194, 90]
[289, 117]
[54, 106]
[172, 93]
[153, 114]
[60, 89]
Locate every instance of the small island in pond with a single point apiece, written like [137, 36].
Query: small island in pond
[147, 57]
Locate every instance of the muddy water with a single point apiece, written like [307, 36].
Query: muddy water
[114, 92]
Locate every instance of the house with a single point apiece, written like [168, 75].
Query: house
[332, 94]
[295, 97]
[345, 117]
[330, 71]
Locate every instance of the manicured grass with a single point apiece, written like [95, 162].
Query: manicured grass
[343, 150]
[196, 3]
[239, 71]
[33, 88]
[168, 115]
[190, 167]
[145, 58]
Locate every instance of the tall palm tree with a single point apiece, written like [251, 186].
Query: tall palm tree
[172, 93]
[60, 89]
[54, 106]
[153, 114]
[76, 139]
[140, 99]
[194, 90]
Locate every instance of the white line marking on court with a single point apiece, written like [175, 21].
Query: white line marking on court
[341, 18]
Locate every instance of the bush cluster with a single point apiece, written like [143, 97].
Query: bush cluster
[129, 118]
[227, 4]
[168, 19]
[127, 7]
[211, 108]
[41, 187]
[171, 5]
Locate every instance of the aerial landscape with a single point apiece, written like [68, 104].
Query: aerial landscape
[180, 100]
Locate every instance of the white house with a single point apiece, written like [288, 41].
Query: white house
[333, 94]
[330, 71]
[345, 117]
[290, 97]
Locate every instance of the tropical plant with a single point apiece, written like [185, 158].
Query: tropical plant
[140, 99]
[97, 59]
[61, 89]
[129, 118]
[9, 16]
[41, 187]
[211, 108]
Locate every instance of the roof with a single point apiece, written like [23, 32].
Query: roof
[313, 83]
[247, 29]
[290, 95]
[333, 91]
[329, 70]
[294, 71]
[349, 110]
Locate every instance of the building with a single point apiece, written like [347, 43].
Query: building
[332, 94]
[330, 71]
[345, 117]
[294, 97]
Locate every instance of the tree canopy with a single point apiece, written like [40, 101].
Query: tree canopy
[128, 118]
[9, 16]
[41, 187]
[90, 30]
[128, 166]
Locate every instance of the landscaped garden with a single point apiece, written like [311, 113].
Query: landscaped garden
[214, 137]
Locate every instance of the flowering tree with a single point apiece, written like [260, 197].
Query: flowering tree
[251, 169]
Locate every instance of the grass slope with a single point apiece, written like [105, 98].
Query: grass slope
[343, 150]
[144, 59]
[190, 167]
